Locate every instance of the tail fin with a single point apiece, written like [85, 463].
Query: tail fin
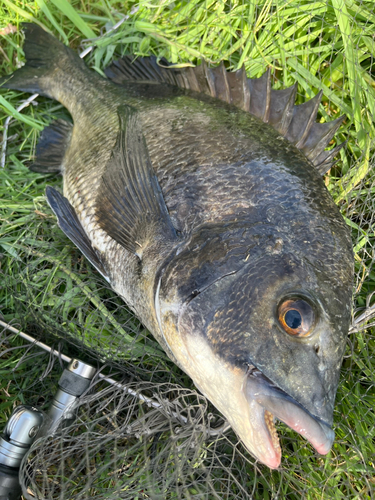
[44, 53]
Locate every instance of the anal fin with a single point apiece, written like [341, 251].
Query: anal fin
[51, 147]
[71, 226]
[131, 207]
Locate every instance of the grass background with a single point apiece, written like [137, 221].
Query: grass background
[50, 291]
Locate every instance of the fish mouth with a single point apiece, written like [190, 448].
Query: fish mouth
[268, 402]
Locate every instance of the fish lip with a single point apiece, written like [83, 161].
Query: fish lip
[272, 398]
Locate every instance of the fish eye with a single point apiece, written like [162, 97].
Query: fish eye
[297, 317]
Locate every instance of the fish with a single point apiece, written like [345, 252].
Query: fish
[198, 194]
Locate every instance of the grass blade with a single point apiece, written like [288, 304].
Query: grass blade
[68, 11]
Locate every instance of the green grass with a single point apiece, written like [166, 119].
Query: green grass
[50, 290]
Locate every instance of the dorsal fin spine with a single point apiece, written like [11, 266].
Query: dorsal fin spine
[316, 99]
[326, 131]
[194, 85]
[288, 110]
[210, 79]
[246, 91]
[325, 160]
[268, 97]
[223, 76]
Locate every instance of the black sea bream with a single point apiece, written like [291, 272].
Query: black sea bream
[198, 195]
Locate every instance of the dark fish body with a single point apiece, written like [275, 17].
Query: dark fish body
[212, 226]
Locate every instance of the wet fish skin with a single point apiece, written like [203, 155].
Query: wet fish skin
[236, 221]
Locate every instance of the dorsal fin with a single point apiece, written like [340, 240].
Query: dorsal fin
[276, 107]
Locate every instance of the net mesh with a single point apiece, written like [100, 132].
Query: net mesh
[176, 444]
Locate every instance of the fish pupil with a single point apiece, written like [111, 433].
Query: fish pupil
[293, 319]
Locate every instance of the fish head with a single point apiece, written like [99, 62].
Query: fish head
[262, 337]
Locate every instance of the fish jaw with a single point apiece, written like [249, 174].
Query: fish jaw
[226, 387]
[250, 402]
[268, 451]
[261, 391]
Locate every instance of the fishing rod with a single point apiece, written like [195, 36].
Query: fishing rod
[67, 359]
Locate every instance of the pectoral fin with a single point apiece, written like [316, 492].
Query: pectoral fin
[131, 207]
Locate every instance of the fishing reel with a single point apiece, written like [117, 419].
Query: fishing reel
[26, 424]
[19, 434]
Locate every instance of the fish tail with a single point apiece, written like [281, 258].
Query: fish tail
[46, 59]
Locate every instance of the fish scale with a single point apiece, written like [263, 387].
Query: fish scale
[210, 170]
[198, 195]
